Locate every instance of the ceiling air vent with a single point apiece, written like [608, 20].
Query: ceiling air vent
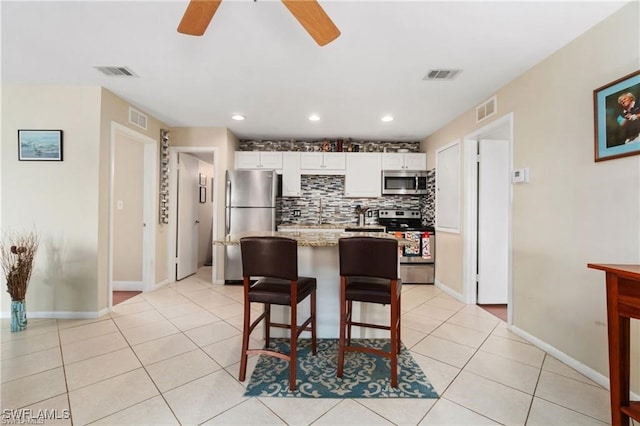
[137, 118]
[116, 71]
[486, 109]
[441, 74]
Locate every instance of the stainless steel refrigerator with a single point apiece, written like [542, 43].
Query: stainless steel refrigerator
[250, 205]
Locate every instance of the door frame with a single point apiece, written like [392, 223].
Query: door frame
[501, 128]
[173, 205]
[148, 205]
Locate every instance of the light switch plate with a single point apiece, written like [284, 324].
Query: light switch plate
[520, 175]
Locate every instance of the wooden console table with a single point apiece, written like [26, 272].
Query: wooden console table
[623, 303]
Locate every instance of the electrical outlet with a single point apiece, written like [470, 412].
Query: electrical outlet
[296, 213]
[369, 213]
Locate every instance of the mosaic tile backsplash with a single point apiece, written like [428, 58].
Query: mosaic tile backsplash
[330, 189]
[331, 144]
[340, 210]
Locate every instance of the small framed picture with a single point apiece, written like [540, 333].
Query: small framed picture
[203, 194]
[617, 118]
[40, 145]
[203, 179]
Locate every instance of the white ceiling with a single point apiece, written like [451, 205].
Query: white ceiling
[256, 59]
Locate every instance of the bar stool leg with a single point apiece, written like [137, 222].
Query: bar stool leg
[293, 341]
[343, 325]
[267, 325]
[245, 335]
[313, 324]
[393, 352]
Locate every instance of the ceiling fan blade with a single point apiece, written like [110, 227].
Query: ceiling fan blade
[314, 19]
[197, 16]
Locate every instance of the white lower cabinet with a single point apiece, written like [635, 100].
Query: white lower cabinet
[363, 175]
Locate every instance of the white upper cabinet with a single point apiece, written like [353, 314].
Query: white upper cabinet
[258, 160]
[322, 163]
[291, 174]
[363, 177]
[404, 161]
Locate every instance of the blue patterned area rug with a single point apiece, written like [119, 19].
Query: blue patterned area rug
[364, 376]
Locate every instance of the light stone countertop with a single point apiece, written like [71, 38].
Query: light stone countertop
[308, 238]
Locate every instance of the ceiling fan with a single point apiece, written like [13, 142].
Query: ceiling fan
[308, 12]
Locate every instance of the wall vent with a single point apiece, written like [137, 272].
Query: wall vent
[441, 74]
[116, 71]
[486, 109]
[137, 118]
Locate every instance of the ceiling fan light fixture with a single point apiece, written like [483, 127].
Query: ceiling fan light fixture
[387, 118]
[238, 117]
[314, 117]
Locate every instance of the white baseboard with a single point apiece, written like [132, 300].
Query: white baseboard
[160, 284]
[449, 291]
[586, 371]
[127, 286]
[58, 314]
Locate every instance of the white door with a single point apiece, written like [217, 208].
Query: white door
[493, 211]
[187, 232]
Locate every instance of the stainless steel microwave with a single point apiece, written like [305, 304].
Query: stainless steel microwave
[404, 182]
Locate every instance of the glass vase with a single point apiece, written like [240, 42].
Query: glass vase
[18, 315]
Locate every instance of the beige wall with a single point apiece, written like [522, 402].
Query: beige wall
[68, 201]
[59, 199]
[574, 210]
[225, 143]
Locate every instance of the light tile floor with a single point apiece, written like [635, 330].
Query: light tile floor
[172, 357]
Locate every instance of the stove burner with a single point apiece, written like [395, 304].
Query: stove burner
[403, 220]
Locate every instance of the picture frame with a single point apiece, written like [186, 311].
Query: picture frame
[203, 194]
[203, 179]
[616, 108]
[39, 145]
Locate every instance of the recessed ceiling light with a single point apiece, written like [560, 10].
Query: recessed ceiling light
[314, 117]
[238, 117]
[387, 118]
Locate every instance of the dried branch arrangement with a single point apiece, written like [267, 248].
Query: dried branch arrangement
[17, 252]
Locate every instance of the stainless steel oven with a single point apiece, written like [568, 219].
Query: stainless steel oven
[417, 260]
[404, 182]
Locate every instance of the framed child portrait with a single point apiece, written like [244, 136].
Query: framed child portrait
[617, 118]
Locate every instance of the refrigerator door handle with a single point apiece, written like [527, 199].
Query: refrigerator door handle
[227, 209]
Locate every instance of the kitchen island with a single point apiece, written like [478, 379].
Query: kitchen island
[318, 257]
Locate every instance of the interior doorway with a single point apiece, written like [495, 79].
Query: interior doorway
[192, 217]
[133, 165]
[488, 211]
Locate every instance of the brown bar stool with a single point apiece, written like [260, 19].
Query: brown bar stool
[369, 274]
[275, 260]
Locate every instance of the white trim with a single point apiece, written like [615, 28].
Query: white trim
[449, 291]
[149, 206]
[585, 370]
[173, 206]
[160, 284]
[58, 314]
[128, 286]
[470, 209]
